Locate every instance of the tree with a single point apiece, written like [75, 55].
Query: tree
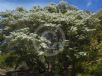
[62, 7]
[78, 27]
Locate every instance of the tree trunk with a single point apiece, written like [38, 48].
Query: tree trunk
[73, 72]
[48, 71]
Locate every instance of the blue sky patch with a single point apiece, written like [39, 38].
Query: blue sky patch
[91, 5]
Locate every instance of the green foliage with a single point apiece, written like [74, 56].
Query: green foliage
[83, 47]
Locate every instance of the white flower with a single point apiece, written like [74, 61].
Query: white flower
[73, 28]
[82, 53]
[44, 45]
[41, 53]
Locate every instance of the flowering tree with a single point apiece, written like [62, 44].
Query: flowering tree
[78, 27]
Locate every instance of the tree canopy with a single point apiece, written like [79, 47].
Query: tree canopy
[28, 36]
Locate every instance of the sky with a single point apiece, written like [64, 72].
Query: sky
[90, 5]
